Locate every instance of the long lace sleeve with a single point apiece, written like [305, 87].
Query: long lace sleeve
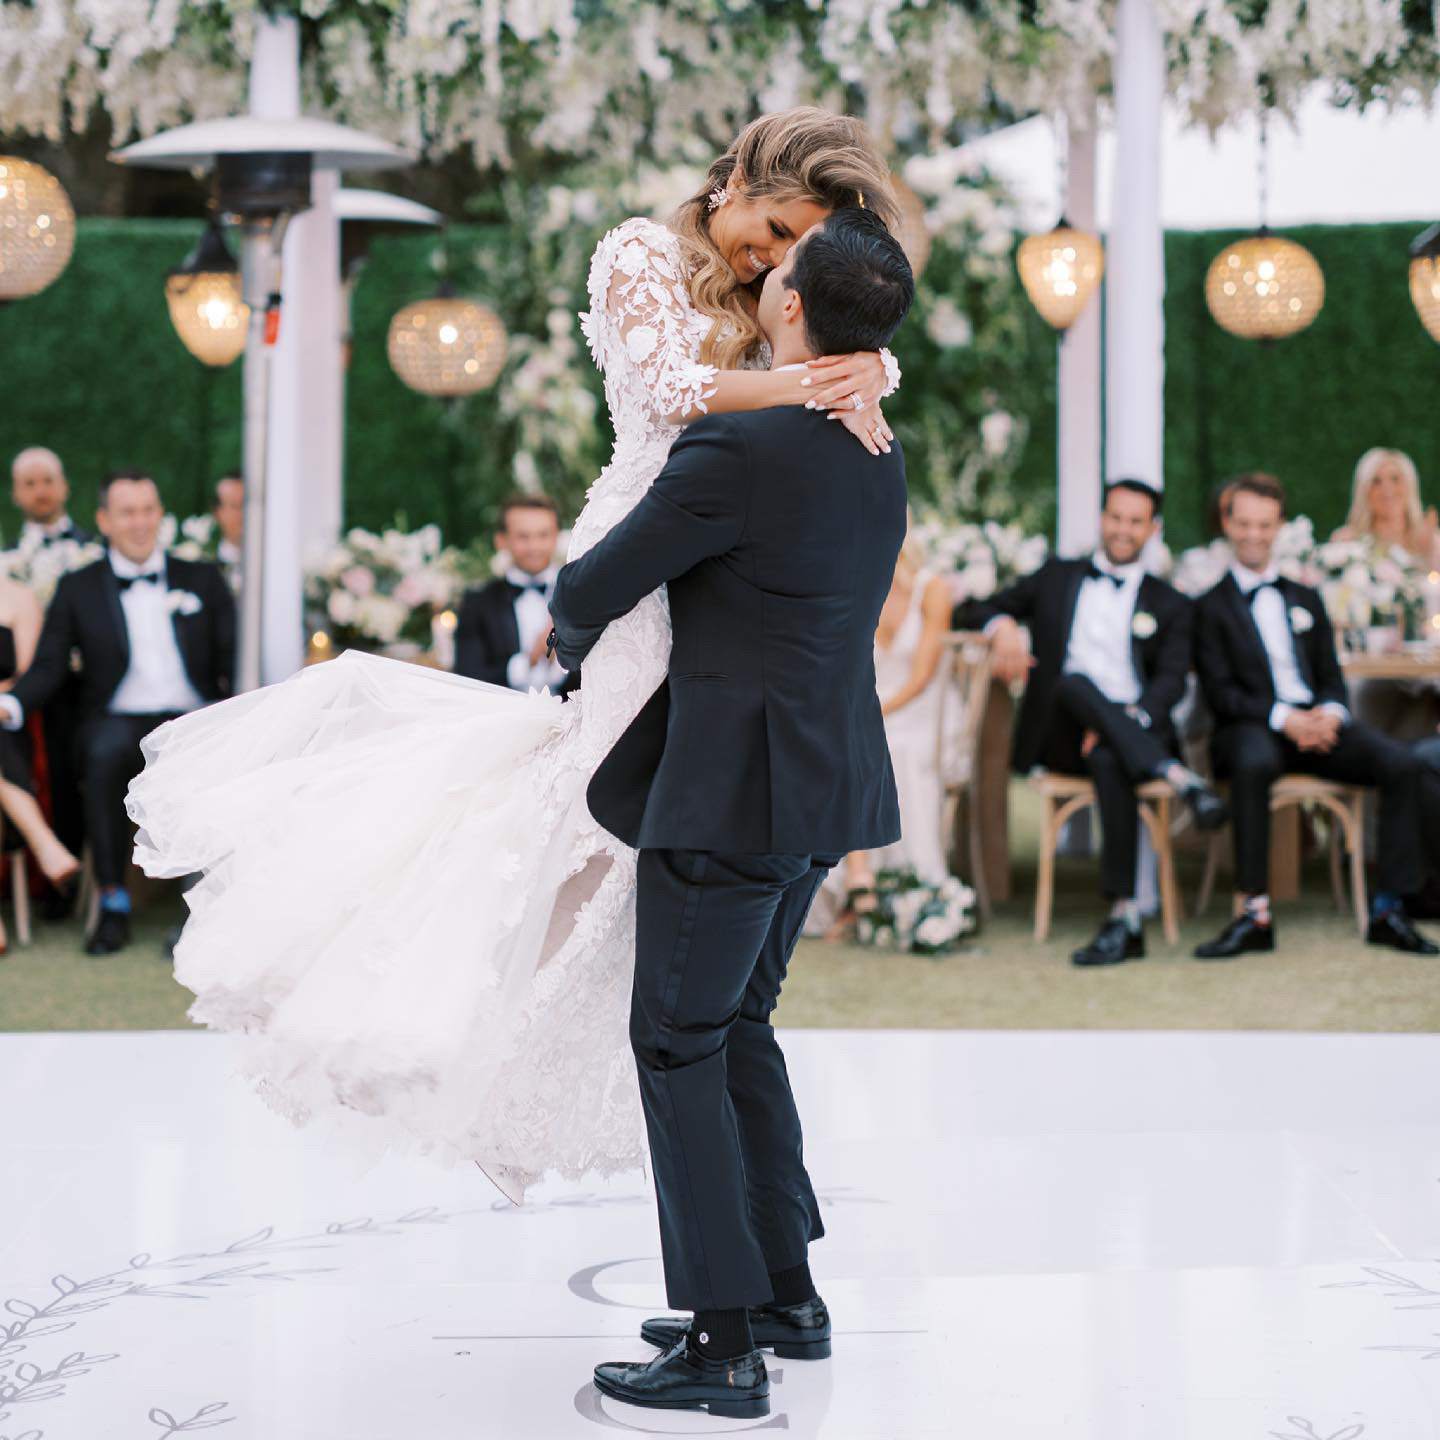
[641, 320]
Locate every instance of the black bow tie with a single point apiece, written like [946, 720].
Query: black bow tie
[1263, 585]
[1094, 572]
[538, 586]
[55, 539]
[145, 577]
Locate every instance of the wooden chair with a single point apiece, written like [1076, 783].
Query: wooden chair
[20, 895]
[965, 688]
[1345, 804]
[1065, 795]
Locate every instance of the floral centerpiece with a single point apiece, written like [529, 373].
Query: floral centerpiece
[980, 559]
[381, 591]
[40, 567]
[912, 916]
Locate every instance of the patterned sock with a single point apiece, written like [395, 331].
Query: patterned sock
[793, 1286]
[721, 1334]
[115, 902]
[1382, 903]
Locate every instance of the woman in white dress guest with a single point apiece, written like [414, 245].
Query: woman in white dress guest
[909, 649]
[407, 907]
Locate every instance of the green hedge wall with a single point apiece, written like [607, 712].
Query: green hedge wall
[93, 369]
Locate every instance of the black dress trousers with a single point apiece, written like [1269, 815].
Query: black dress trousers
[112, 759]
[714, 936]
[1253, 757]
[1128, 754]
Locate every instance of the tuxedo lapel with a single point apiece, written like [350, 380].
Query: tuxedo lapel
[1144, 600]
[1069, 599]
[1299, 643]
[110, 588]
[183, 632]
[1243, 618]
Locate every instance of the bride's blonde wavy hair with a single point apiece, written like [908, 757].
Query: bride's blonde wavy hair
[801, 154]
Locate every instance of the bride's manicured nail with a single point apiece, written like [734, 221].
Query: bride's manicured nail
[809, 404]
[805, 381]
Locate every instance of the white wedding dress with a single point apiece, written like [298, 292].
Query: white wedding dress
[405, 906]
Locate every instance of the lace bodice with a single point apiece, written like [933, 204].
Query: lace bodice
[645, 334]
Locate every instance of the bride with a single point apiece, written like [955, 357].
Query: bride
[404, 904]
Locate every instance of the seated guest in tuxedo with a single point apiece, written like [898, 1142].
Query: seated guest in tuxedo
[1265, 653]
[41, 493]
[1111, 654]
[503, 627]
[229, 513]
[156, 635]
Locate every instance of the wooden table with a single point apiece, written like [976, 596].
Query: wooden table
[1285, 846]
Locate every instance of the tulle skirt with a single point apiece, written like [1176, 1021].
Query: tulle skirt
[400, 902]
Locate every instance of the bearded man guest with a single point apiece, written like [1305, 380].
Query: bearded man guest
[1265, 654]
[1111, 656]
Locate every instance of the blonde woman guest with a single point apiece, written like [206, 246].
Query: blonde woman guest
[20, 621]
[909, 648]
[1385, 506]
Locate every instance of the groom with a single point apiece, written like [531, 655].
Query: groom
[759, 762]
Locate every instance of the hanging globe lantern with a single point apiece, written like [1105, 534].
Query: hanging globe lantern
[912, 232]
[207, 306]
[1060, 271]
[1264, 287]
[447, 345]
[37, 228]
[1425, 279]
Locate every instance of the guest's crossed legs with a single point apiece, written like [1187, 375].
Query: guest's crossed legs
[1128, 754]
[1253, 757]
[111, 759]
[715, 934]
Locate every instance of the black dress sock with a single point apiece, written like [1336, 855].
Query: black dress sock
[793, 1286]
[721, 1334]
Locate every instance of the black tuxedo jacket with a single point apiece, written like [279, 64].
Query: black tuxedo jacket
[85, 615]
[1232, 662]
[486, 635]
[1045, 601]
[777, 535]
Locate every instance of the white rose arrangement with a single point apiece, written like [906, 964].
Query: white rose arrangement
[40, 567]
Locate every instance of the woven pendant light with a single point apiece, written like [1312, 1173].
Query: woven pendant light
[37, 228]
[1060, 271]
[207, 306]
[1264, 287]
[447, 345]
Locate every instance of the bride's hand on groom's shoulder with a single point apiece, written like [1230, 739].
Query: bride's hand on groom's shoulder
[868, 426]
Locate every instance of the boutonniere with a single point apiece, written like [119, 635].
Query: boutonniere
[1301, 620]
[1144, 625]
[183, 602]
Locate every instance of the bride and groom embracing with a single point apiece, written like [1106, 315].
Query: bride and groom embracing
[454, 918]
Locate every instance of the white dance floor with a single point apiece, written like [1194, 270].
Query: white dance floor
[1032, 1236]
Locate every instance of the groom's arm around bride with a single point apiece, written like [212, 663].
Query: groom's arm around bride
[754, 768]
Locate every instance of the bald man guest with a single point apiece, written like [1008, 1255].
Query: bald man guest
[41, 493]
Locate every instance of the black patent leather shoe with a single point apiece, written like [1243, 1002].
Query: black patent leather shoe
[1241, 936]
[1114, 942]
[110, 935]
[1394, 931]
[682, 1379]
[793, 1332]
[1209, 810]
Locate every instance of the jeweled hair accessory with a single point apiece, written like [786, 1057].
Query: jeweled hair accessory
[719, 196]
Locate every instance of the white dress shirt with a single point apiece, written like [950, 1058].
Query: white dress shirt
[32, 532]
[155, 682]
[1100, 643]
[532, 619]
[1273, 622]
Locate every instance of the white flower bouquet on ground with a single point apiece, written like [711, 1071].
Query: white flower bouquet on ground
[917, 918]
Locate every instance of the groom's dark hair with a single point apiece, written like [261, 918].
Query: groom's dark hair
[854, 281]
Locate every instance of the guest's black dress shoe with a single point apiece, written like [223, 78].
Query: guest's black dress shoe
[1394, 930]
[682, 1379]
[1209, 810]
[1242, 934]
[111, 934]
[793, 1332]
[1114, 941]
